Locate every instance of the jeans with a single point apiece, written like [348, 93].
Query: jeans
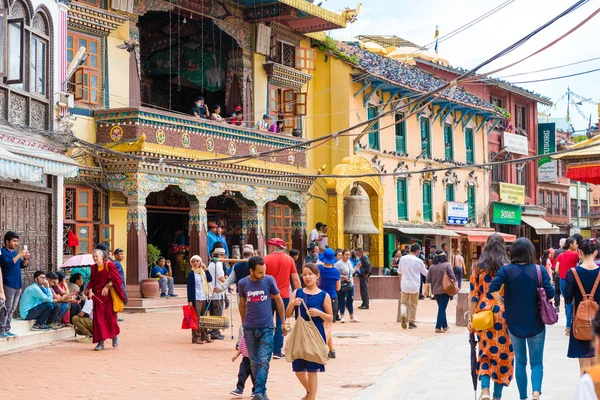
[442, 300]
[11, 305]
[63, 310]
[557, 291]
[278, 335]
[458, 273]
[568, 307]
[260, 348]
[364, 290]
[166, 283]
[346, 300]
[485, 384]
[44, 313]
[535, 344]
[243, 374]
[409, 300]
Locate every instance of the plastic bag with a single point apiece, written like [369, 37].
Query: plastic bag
[190, 319]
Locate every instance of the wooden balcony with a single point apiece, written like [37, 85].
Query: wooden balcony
[185, 136]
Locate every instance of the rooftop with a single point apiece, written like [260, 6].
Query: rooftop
[387, 41]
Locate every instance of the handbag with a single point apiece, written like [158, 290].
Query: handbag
[305, 342]
[449, 287]
[190, 319]
[482, 320]
[346, 286]
[118, 305]
[547, 311]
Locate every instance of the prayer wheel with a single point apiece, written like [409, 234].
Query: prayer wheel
[357, 215]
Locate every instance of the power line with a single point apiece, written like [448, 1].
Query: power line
[548, 69]
[559, 77]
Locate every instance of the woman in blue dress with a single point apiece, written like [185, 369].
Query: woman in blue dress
[318, 303]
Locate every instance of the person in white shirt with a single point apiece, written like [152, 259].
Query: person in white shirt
[346, 292]
[324, 242]
[410, 269]
[315, 234]
[217, 300]
[264, 124]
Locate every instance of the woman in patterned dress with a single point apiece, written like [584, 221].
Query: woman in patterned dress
[496, 357]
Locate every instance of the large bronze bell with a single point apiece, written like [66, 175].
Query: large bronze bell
[357, 214]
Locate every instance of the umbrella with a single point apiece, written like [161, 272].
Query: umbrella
[80, 260]
[473, 344]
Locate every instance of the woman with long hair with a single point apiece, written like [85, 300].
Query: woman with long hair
[525, 326]
[103, 278]
[318, 303]
[434, 277]
[566, 260]
[585, 275]
[346, 292]
[496, 357]
[197, 295]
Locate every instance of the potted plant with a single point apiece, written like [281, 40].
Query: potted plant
[150, 287]
[179, 251]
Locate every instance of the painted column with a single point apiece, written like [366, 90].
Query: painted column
[299, 234]
[256, 227]
[137, 264]
[376, 250]
[197, 229]
[335, 219]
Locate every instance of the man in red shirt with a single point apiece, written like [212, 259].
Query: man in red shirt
[281, 267]
[566, 260]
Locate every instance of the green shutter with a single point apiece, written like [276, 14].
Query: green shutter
[470, 144]
[401, 196]
[471, 201]
[400, 134]
[427, 203]
[373, 137]
[449, 192]
[425, 137]
[448, 149]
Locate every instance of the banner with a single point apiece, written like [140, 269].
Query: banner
[457, 213]
[516, 144]
[547, 167]
[513, 194]
[506, 214]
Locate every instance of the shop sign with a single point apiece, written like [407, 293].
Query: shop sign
[515, 144]
[547, 167]
[506, 214]
[457, 213]
[513, 194]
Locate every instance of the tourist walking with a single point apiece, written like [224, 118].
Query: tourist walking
[104, 277]
[410, 270]
[11, 263]
[197, 294]
[435, 276]
[556, 274]
[319, 307]
[283, 269]
[590, 380]
[346, 292]
[364, 272]
[568, 259]
[245, 369]
[255, 293]
[458, 265]
[525, 327]
[496, 357]
[330, 283]
[119, 257]
[582, 281]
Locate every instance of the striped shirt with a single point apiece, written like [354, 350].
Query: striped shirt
[243, 347]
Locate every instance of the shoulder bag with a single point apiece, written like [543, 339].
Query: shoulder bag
[448, 286]
[547, 311]
[482, 320]
[305, 342]
[586, 310]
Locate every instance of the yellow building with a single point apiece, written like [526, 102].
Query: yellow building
[353, 85]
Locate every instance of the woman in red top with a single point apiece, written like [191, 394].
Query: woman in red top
[566, 260]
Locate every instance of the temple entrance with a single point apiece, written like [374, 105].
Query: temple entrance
[168, 220]
[226, 211]
[183, 58]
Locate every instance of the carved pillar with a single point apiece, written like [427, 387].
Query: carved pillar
[198, 229]
[335, 219]
[239, 65]
[137, 263]
[299, 235]
[256, 226]
[376, 250]
[244, 235]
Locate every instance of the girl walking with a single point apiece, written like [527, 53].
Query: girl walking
[434, 277]
[318, 303]
[496, 357]
[525, 327]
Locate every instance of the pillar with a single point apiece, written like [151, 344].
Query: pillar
[299, 235]
[198, 229]
[335, 219]
[137, 263]
[376, 249]
[256, 227]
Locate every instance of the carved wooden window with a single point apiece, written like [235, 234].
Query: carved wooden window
[305, 58]
[520, 117]
[288, 55]
[85, 236]
[38, 65]
[84, 205]
[117, 5]
[16, 36]
[280, 222]
[300, 104]
[107, 233]
[86, 80]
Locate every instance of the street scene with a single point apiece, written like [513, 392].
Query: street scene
[290, 199]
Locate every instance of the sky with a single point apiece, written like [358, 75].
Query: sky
[479, 42]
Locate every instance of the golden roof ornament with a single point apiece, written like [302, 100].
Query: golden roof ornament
[351, 14]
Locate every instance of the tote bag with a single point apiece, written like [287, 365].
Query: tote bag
[449, 287]
[305, 342]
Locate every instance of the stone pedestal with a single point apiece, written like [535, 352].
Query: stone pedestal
[462, 307]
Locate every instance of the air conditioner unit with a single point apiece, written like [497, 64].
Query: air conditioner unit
[66, 99]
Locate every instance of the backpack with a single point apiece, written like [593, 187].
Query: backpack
[585, 312]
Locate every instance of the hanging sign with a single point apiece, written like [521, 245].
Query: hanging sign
[547, 167]
[513, 194]
[457, 213]
[506, 214]
[515, 144]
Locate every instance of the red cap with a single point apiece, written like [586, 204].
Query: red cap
[238, 108]
[276, 242]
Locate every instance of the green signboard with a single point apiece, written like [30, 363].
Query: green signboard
[547, 167]
[506, 214]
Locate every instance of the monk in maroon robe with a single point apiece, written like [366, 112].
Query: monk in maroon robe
[104, 322]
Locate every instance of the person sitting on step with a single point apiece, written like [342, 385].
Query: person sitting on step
[164, 274]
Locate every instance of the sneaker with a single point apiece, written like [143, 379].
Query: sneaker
[119, 319]
[446, 329]
[364, 307]
[86, 339]
[404, 325]
[99, 346]
[115, 341]
[278, 356]
[11, 334]
[354, 320]
[342, 320]
[40, 327]
[5, 335]
[237, 393]
[173, 295]
[439, 330]
[331, 354]
[55, 325]
[164, 295]
[412, 326]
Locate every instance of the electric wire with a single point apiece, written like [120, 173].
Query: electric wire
[548, 69]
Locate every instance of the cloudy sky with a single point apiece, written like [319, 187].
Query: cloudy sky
[467, 49]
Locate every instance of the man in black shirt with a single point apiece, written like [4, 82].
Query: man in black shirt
[365, 268]
[313, 254]
[200, 110]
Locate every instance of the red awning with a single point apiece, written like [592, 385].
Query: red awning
[589, 173]
[482, 236]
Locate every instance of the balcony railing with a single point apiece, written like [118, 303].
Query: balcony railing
[178, 131]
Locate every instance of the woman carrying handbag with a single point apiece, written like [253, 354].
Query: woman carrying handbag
[527, 331]
[437, 273]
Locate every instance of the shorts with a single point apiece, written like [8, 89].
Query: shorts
[334, 307]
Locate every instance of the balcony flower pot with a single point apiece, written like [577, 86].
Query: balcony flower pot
[150, 288]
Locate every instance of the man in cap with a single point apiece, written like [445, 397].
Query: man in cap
[264, 124]
[240, 270]
[281, 267]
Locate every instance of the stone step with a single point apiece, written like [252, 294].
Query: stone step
[28, 338]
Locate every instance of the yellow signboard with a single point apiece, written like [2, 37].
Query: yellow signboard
[513, 194]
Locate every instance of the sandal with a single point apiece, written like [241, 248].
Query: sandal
[485, 394]
[535, 396]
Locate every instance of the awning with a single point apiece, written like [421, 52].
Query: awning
[482, 236]
[541, 226]
[427, 231]
[13, 166]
